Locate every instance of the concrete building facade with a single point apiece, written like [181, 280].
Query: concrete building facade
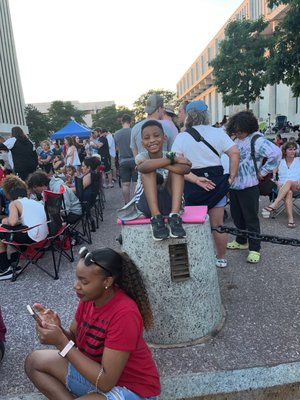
[197, 82]
[89, 108]
[12, 103]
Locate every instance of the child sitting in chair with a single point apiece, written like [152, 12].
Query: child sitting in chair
[160, 183]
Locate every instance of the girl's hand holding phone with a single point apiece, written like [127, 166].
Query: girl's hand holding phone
[51, 334]
[47, 315]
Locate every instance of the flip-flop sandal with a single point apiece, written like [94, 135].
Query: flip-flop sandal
[253, 257]
[291, 225]
[270, 209]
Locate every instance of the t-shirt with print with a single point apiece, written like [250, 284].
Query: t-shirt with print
[45, 154]
[118, 325]
[144, 155]
[246, 176]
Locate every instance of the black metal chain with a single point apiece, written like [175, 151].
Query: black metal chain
[258, 236]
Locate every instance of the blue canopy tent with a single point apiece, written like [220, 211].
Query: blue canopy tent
[73, 128]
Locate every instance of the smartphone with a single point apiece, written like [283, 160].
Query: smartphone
[34, 315]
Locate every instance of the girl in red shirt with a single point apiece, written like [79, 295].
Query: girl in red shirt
[103, 352]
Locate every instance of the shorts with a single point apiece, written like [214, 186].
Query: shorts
[128, 171]
[105, 161]
[79, 386]
[221, 203]
[164, 200]
[19, 237]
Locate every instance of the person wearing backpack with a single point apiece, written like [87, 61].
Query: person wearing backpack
[22, 156]
[244, 191]
[206, 184]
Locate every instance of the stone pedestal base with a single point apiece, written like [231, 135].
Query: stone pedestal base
[181, 280]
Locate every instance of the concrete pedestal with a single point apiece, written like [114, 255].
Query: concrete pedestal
[185, 310]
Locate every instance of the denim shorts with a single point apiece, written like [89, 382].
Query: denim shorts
[221, 203]
[79, 386]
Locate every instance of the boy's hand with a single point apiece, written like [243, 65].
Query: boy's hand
[182, 160]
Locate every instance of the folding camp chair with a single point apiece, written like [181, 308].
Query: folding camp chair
[85, 225]
[281, 208]
[55, 242]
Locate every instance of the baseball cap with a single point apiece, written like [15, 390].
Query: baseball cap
[153, 102]
[198, 105]
[169, 109]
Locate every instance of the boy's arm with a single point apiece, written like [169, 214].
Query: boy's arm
[181, 165]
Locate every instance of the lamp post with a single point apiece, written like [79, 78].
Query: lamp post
[269, 117]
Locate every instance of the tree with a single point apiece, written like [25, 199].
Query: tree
[284, 60]
[110, 117]
[240, 67]
[38, 124]
[169, 96]
[60, 113]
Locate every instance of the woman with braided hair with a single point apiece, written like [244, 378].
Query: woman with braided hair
[103, 354]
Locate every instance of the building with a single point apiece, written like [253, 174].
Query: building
[197, 82]
[89, 108]
[12, 103]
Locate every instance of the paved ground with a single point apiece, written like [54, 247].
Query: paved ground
[262, 303]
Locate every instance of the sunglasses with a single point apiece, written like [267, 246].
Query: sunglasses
[89, 260]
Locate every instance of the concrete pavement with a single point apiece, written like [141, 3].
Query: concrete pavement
[258, 346]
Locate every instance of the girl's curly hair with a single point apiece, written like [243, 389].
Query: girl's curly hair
[126, 276]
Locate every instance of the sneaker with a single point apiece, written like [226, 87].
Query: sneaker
[159, 229]
[234, 245]
[175, 225]
[221, 263]
[6, 274]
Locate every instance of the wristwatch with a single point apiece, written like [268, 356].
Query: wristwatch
[171, 156]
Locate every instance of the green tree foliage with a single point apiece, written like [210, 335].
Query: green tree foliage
[139, 105]
[110, 117]
[38, 124]
[60, 113]
[239, 68]
[284, 60]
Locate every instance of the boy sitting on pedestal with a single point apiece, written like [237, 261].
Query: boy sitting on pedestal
[160, 183]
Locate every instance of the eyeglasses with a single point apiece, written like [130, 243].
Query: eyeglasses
[89, 260]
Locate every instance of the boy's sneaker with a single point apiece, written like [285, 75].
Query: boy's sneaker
[6, 274]
[159, 229]
[175, 225]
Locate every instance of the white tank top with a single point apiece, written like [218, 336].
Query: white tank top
[34, 214]
[76, 160]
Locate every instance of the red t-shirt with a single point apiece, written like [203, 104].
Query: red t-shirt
[118, 325]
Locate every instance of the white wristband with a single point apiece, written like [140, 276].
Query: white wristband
[66, 349]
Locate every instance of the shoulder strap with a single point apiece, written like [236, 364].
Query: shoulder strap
[199, 138]
[252, 144]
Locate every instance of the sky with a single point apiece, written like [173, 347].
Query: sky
[101, 50]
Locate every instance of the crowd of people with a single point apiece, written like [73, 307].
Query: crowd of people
[165, 162]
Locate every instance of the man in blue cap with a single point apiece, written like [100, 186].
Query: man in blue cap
[207, 184]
